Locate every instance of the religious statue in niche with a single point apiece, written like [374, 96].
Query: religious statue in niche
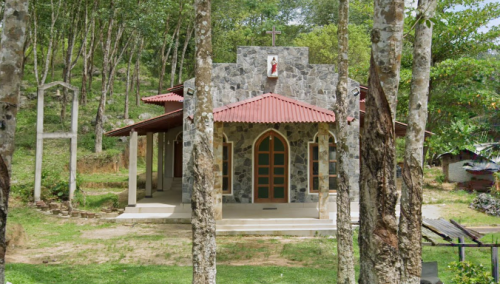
[272, 66]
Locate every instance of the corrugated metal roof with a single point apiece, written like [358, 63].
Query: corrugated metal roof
[440, 228]
[272, 108]
[160, 123]
[162, 99]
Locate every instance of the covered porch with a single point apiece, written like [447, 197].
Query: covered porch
[274, 160]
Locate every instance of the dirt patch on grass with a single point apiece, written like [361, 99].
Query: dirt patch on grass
[145, 244]
[16, 235]
[168, 230]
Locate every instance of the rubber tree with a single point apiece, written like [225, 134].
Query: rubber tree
[410, 221]
[346, 274]
[13, 39]
[378, 236]
[202, 218]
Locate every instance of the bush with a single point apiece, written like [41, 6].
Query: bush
[486, 203]
[24, 191]
[467, 273]
[87, 141]
[54, 186]
[440, 178]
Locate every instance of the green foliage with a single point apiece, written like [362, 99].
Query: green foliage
[87, 141]
[466, 272]
[323, 48]
[464, 88]
[325, 12]
[440, 178]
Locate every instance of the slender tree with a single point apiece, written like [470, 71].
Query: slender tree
[346, 274]
[202, 220]
[410, 221]
[378, 239]
[14, 26]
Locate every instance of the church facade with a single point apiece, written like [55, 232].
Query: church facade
[271, 110]
[257, 172]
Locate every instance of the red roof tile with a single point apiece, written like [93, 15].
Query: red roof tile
[272, 108]
[162, 99]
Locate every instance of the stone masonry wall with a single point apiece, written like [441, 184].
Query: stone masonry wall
[297, 79]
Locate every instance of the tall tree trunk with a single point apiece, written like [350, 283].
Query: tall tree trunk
[138, 74]
[164, 59]
[202, 217]
[410, 221]
[14, 26]
[93, 45]
[104, 83]
[186, 43]
[83, 88]
[176, 52]
[54, 16]
[68, 62]
[378, 240]
[127, 88]
[346, 273]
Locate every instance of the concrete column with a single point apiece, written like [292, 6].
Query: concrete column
[132, 170]
[73, 149]
[169, 160]
[218, 147]
[159, 171]
[324, 191]
[39, 146]
[149, 164]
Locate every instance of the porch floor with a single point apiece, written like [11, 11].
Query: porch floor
[256, 218]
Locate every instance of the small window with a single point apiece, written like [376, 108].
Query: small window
[314, 166]
[227, 167]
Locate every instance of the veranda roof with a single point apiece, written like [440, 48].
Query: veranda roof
[400, 127]
[160, 123]
[272, 108]
[162, 99]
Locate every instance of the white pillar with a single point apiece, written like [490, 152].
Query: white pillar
[323, 149]
[159, 171]
[149, 164]
[39, 146]
[218, 157]
[169, 156]
[132, 170]
[73, 149]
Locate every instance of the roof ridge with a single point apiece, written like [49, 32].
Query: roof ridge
[303, 104]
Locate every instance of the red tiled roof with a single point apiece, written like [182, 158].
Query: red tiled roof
[162, 99]
[272, 108]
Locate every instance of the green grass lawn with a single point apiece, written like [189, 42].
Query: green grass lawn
[151, 274]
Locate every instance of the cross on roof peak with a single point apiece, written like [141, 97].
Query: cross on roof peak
[274, 33]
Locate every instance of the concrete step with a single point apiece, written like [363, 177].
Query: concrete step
[157, 218]
[277, 226]
[150, 208]
[274, 222]
[320, 231]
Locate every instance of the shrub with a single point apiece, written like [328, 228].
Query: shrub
[467, 273]
[24, 191]
[440, 178]
[486, 203]
[87, 141]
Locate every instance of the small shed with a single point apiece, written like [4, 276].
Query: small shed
[470, 170]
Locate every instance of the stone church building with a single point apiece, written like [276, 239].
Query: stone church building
[271, 108]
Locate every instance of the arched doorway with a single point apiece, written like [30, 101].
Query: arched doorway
[178, 145]
[271, 169]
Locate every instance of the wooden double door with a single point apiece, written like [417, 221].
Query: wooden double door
[271, 169]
